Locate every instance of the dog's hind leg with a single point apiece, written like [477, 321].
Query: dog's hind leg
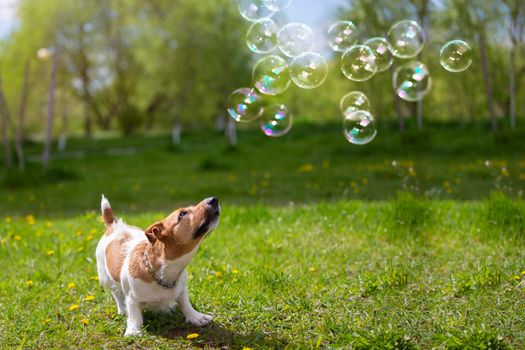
[120, 300]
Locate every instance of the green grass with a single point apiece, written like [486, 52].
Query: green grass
[409, 242]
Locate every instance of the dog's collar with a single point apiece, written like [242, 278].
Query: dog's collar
[153, 274]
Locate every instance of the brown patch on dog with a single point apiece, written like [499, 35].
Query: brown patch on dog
[115, 254]
[137, 267]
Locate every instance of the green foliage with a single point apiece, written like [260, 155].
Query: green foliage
[389, 339]
[409, 214]
[480, 339]
[130, 120]
[503, 214]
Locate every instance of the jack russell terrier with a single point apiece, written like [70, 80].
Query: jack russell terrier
[148, 268]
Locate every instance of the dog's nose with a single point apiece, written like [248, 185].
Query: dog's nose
[213, 201]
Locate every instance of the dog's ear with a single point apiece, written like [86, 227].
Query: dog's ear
[154, 232]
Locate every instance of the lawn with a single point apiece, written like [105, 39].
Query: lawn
[399, 244]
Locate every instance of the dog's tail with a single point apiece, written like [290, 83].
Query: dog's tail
[107, 212]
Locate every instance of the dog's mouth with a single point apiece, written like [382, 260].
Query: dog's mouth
[208, 225]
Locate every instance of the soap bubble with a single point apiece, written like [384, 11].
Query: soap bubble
[406, 39]
[381, 49]
[295, 39]
[245, 105]
[276, 120]
[271, 75]
[359, 127]
[342, 35]
[412, 81]
[262, 36]
[309, 70]
[456, 56]
[254, 10]
[354, 101]
[359, 63]
[277, 5]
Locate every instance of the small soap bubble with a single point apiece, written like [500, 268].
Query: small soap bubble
[359, 127]
[262, 36]
[277, 5]
[254, 10]
[354, 101]
[271, 75]
[276, 120]
[456, 56]
[359, 63]
[295, 39]
[406, 39]
[412, 81]
[381, 49]
[342, 35]
[309, 70]
[245, 105]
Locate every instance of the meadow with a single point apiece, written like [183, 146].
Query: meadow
[413, 241]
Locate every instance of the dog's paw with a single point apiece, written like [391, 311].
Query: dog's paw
[130, 332]
[199, 320]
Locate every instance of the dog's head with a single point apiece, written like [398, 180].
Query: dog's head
[182, 230]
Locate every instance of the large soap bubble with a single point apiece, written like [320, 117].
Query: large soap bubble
[276, 120]
[245, 105]
[406, 39]
[309, 70]
[277, 5]
[359, 63]
[456, 56]
[262, 36]
[342, 35]
[295, 39]
[271, 75]
[381, 49]
[254, 10]
[359, 127]
[354, 101]
[412, 81]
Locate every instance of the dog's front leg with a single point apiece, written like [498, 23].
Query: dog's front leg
[134, 320]
[192, 316]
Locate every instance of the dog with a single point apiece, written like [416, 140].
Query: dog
[148, 268]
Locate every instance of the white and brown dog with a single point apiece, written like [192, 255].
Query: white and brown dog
[148, 268]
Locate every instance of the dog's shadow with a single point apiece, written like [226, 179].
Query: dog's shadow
[171, 325]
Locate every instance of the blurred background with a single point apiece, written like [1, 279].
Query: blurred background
[156, 74]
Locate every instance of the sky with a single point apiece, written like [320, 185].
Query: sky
[315, 13]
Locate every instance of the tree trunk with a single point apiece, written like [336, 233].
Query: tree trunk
[397, 106]
[50, 112]
[20, 131]
[8, 160]
[512, 87]
[175, 133]
[64, 113]
[487, 81]
[231, 132]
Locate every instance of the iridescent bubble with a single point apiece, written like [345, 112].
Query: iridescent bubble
[354, 101]
[359, 127]
[456, 56]
[412, 81]
[406, 39]
[271, 75]
[254, 10]
[245, 105]
[342, 35]
[262, 36]
[359, 63]
[295, 39]
[381, 49]
[309, 70]
[277, 5]
[276, 120]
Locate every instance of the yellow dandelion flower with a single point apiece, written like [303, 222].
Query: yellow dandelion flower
[29, 283]
[516, 277]
[523, 272]
[522, 177]
[46, 321]
[235, 271]
[74, 307]
[30, 219]
[218, 273]
[8, 219]
[18, 238]
[38, 233]
[357, 190]
[89, 298]
[80, 249]
[306, 168]
[311, 269]
[411, 172]
[89, 238]
[50, 252]
[504, 171]
[353, 184]
[246, 348]
[71, 285]
[93, 231]
[365, 181]
[78, 233]
[84, 321]
[234, 279]
[446, 184]
[49, 224]
[192, 336]
[94, 278]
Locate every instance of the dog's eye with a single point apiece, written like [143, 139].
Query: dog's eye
[182, 214]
